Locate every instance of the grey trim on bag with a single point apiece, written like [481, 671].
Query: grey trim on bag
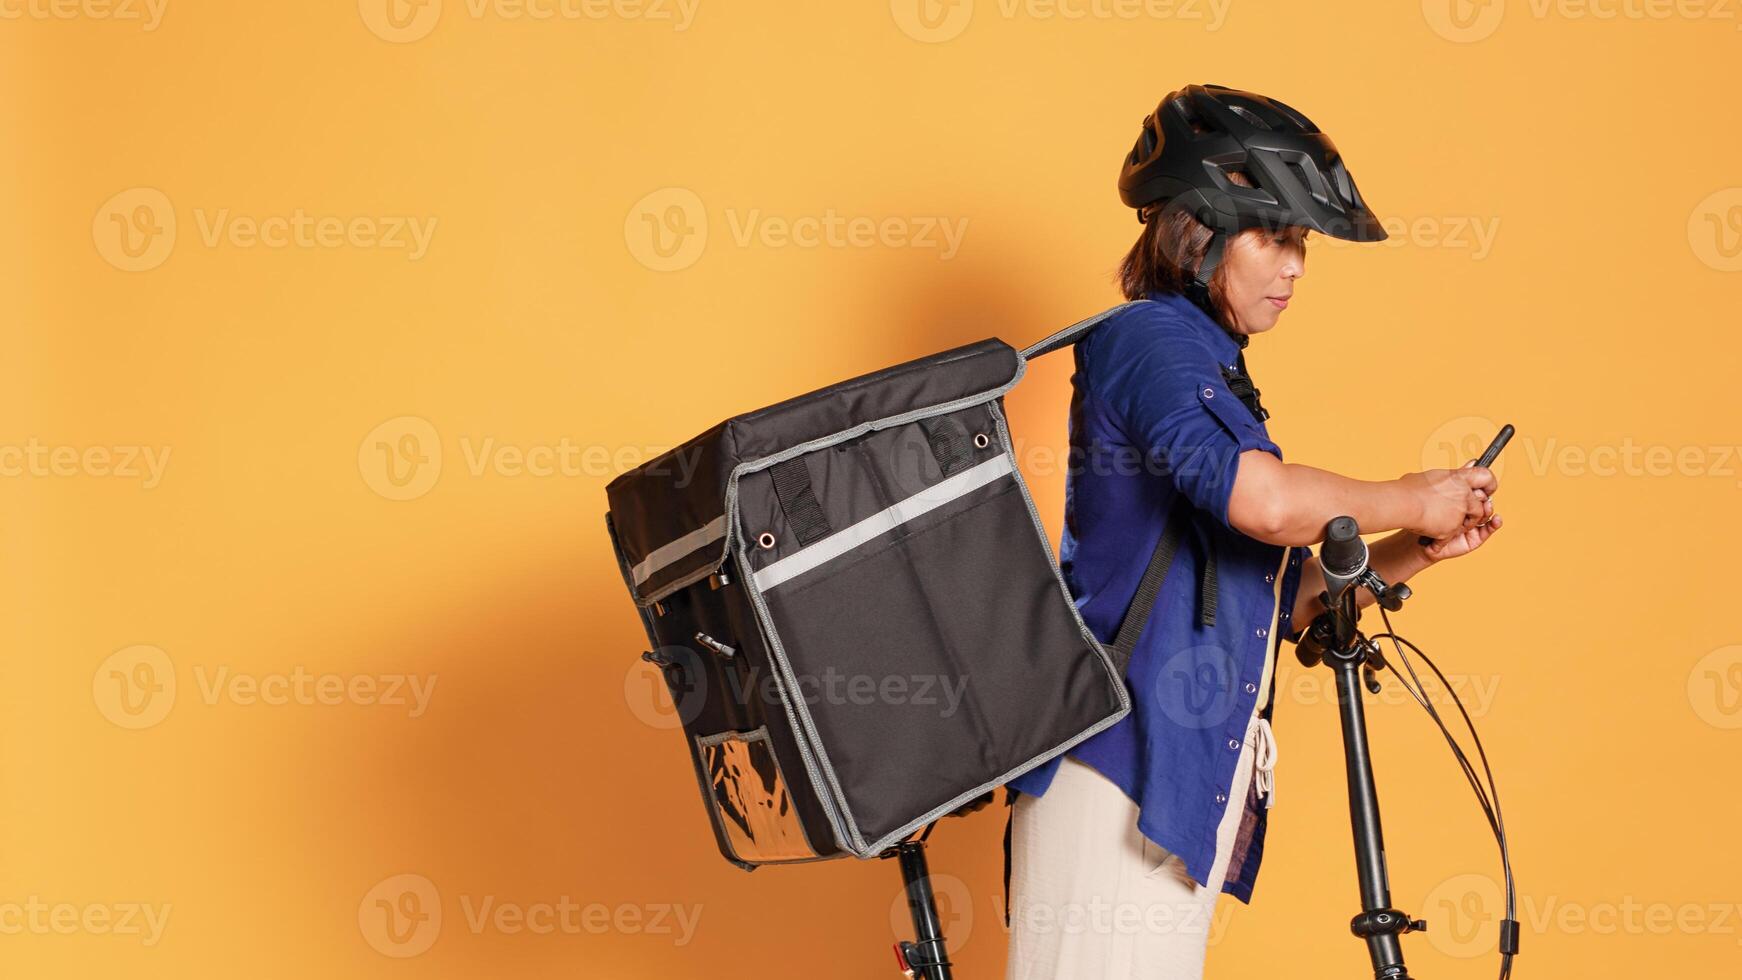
[1059, 576]
[823, 777]
[822, 774]
[1069, 334]
[760, 734]
[680, 547]
[908, 508]
[1067, 745]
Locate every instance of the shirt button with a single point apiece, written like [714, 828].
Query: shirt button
[1260, 631]
[1233, 744]
[1251, 688]
[1221, 797]
[1269, 576]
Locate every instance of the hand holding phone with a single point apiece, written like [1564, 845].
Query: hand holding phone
[1488, 456]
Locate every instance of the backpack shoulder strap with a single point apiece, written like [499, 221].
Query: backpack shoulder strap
[1149, 588]
[1074, 332]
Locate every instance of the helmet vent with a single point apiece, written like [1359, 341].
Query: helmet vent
[1250, 116]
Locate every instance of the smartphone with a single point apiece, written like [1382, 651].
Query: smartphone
[1489, 455]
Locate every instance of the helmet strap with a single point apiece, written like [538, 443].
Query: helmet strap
[1198, 290]
[1212, 259]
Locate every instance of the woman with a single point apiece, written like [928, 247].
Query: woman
[1120, 848]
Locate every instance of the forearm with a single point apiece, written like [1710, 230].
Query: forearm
[1290, 503]
[1394, 557]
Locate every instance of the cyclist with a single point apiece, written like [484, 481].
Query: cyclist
[1120, 848]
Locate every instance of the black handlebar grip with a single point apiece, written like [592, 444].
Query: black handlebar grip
[1342, 552]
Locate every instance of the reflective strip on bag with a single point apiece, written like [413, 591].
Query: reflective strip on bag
[882, 522]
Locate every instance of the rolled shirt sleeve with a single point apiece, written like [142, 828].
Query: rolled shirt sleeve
[1165, 385]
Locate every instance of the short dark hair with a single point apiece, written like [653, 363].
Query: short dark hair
[1166, 256]
[1167, 253]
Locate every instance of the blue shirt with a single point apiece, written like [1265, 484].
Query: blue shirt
[1152, 417]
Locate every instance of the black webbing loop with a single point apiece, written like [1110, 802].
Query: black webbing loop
[792, 485]
[1125, 641]
[1010, 795]
[1207, 580]
[1240, 383]
[949, 442]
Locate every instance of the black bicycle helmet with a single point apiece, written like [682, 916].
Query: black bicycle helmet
[1200, 134]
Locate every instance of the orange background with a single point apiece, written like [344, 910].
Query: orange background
[300, 390]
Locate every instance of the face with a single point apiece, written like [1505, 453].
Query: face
[1261, 268]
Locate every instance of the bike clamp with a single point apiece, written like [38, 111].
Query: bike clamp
[1380, 922]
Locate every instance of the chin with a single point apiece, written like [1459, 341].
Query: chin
[1265, 319]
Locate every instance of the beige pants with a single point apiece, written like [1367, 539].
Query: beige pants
[1091, 897]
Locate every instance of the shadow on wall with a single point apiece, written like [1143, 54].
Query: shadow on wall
[545, 769]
